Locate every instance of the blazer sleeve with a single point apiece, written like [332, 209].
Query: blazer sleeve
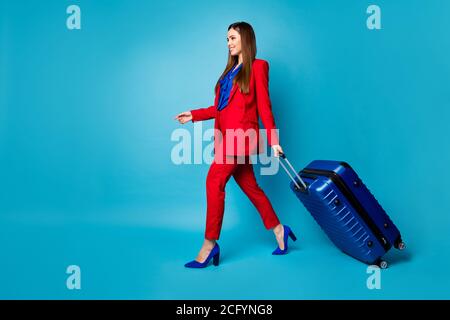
[203, 113]
[263, 102]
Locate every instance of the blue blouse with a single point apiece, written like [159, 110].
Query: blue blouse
[225, 87]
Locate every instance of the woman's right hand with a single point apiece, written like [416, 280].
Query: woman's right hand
[184, 117]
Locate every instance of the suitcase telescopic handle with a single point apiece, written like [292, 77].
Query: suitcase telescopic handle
[283, 156]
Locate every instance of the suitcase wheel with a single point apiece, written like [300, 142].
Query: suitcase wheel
[399, 244]
[382, 264]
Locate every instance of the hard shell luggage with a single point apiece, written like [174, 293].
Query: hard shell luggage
[345, 209]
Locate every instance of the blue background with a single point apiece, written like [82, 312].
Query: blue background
[86, 118]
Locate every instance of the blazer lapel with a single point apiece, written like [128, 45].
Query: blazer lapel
[233, 91]
[216, 100]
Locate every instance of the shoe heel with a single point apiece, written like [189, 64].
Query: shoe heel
[292, 235]
[216, 260]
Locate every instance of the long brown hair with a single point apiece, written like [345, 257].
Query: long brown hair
[248, 47]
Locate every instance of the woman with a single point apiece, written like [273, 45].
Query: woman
[241, 96]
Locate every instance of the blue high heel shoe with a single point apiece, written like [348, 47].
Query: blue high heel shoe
[287, 233]
[214, 255]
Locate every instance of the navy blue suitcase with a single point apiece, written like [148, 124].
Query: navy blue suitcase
[345, 209]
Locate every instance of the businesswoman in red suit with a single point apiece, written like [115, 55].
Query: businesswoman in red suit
[242, 94]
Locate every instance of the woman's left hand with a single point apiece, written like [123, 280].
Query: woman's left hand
[277, 150]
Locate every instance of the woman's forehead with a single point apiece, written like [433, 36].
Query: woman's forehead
[232, 32]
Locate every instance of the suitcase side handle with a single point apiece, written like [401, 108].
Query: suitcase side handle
[283, 156]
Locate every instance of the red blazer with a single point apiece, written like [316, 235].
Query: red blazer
[242, 112]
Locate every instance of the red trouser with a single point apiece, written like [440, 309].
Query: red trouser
[218, 176]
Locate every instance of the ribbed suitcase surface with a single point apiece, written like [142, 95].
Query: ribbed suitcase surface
[347, 211]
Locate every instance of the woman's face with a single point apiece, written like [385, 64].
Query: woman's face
[234, 42]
